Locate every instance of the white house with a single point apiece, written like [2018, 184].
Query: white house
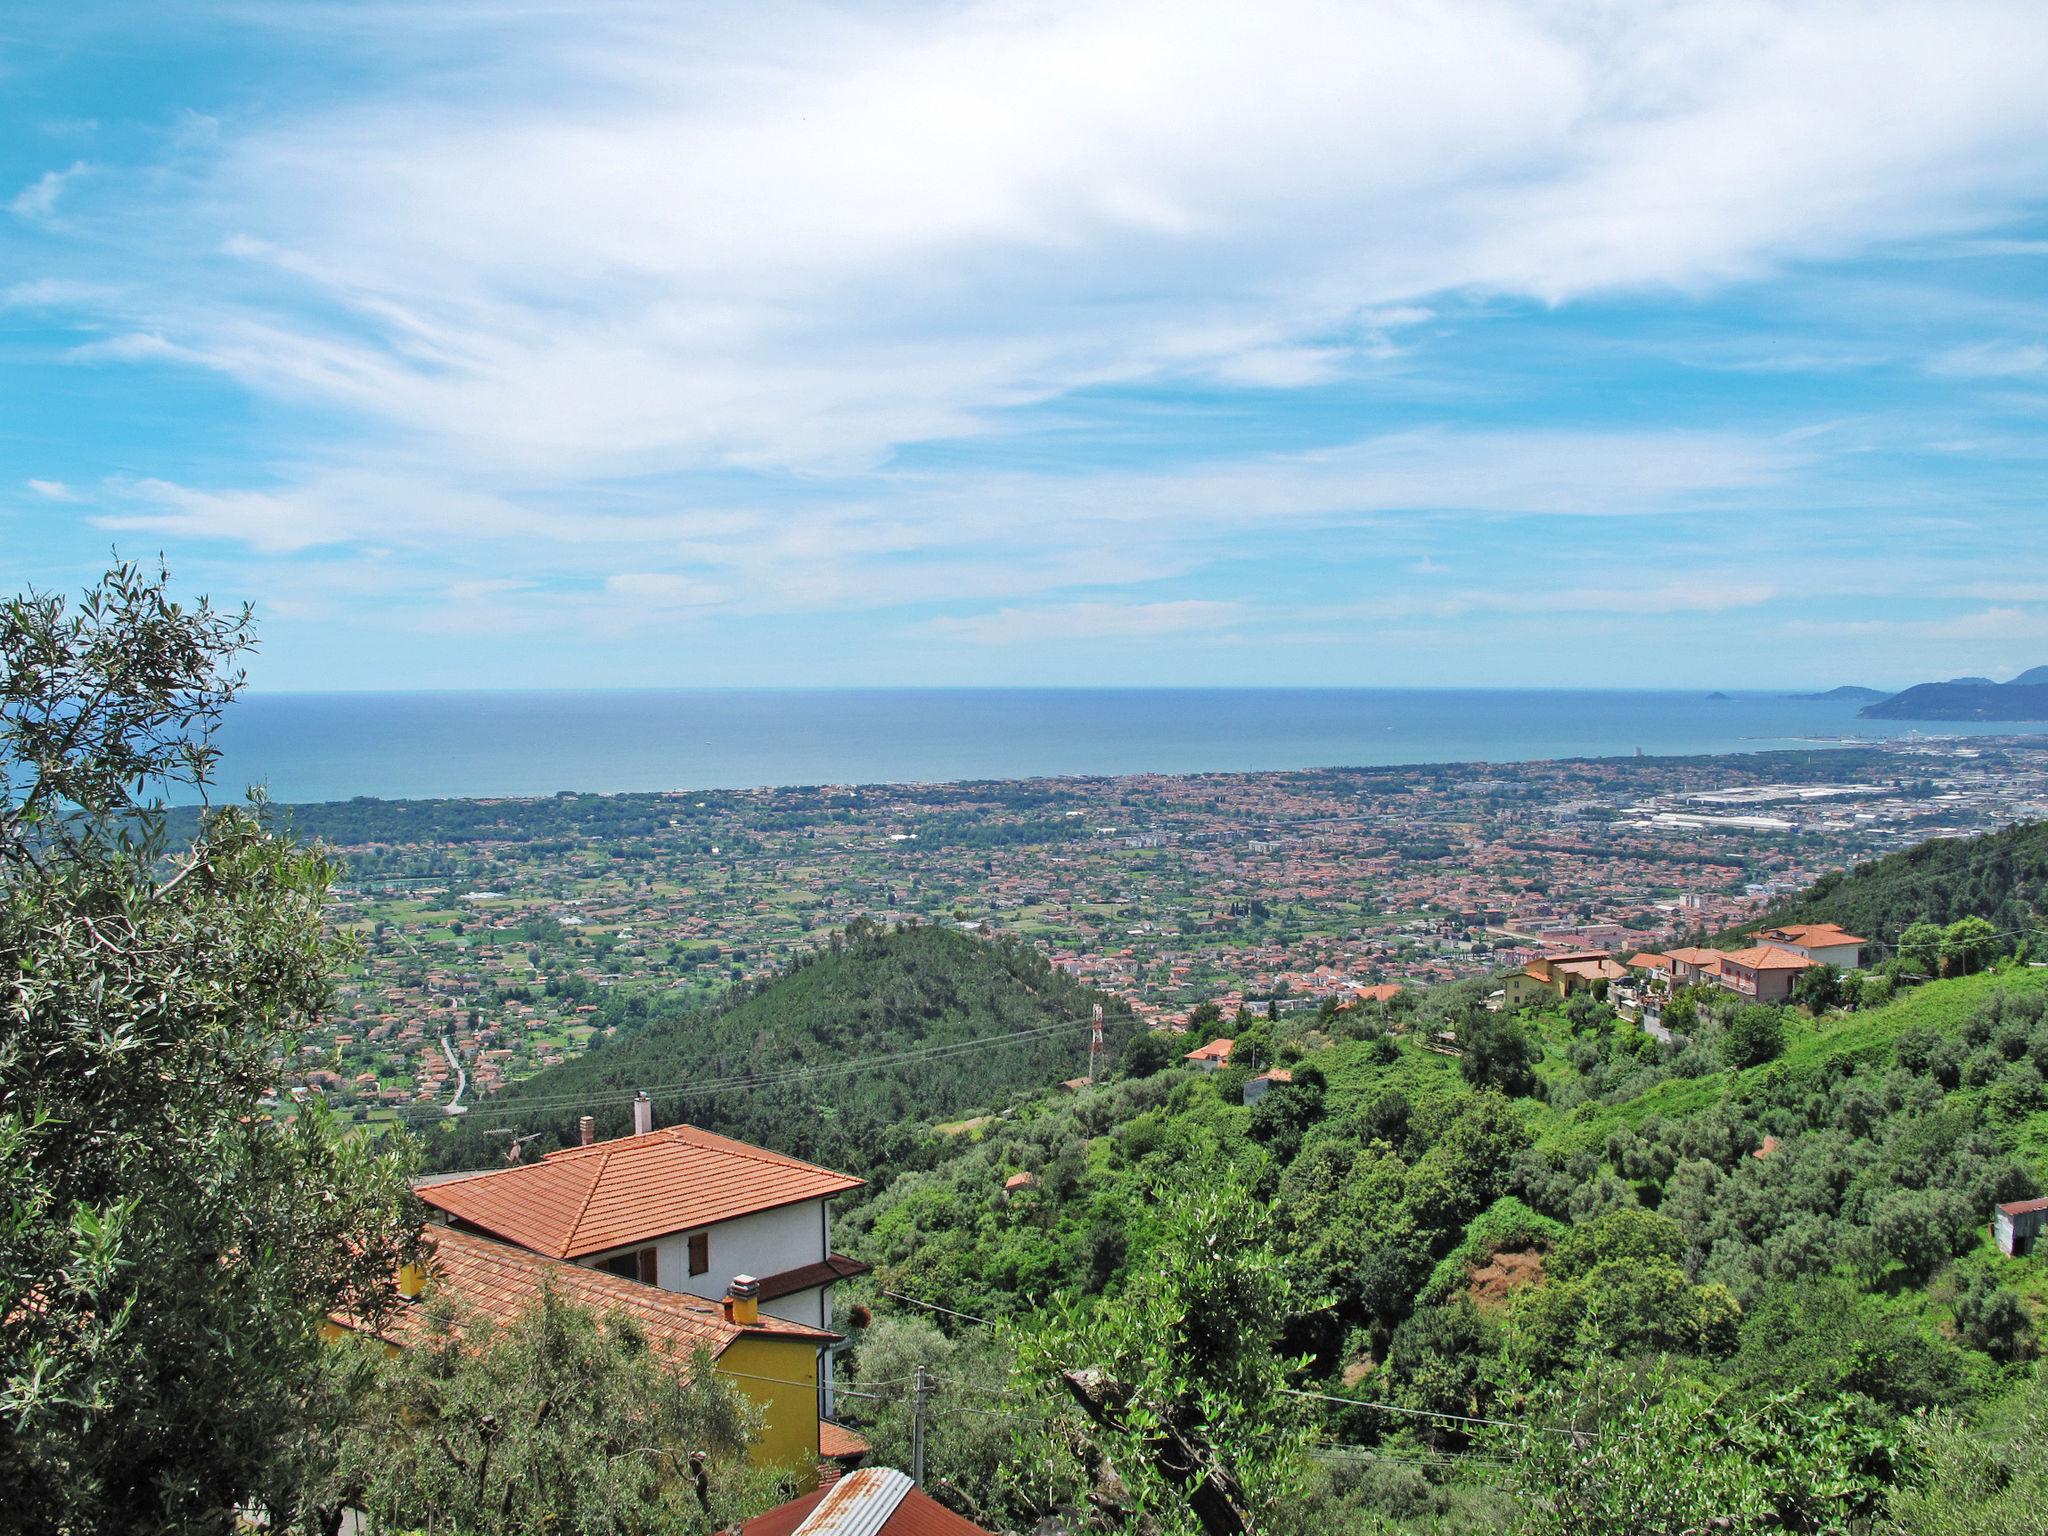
[1822, 943]
[678, 1208]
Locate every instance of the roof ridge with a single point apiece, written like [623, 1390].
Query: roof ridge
[589, 1194]
[748, 1150]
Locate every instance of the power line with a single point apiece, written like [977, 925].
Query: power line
[935, 1307]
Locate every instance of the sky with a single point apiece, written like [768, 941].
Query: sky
[506, 343]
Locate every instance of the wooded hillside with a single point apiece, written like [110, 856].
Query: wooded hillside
[829, 1031]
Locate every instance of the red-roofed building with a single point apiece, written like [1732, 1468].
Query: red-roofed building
[776, 1363]
[1765, 973]
[1212, 1057]
[680, 1209]
[2017, 1225]
[875, 1501]
[1822, 943]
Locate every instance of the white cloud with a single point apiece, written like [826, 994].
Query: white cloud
[1059, 622]
[1993, 360]
[38, 200]
[801, 238]
[53, 490]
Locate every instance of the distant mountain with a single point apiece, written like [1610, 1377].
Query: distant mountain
[1968, 698]
[1848, 693]
[873, 994]
[2001, 875]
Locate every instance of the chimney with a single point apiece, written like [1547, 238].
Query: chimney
[743, 1301]
[643, 1113]
[586, 1129]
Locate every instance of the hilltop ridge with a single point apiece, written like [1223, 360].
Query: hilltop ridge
[1968, 698]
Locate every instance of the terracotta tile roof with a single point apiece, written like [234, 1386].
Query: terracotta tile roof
[829, 1511]
[805, 1277]
[1695, 956]
[1813, 935]
[1768, 957]
[1277, 1075]
[1650, 961]
[497, 1283]
[838, 1443]
[1215, 1050]
[586, 1200]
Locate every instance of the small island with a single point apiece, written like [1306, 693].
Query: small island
[1848, 693]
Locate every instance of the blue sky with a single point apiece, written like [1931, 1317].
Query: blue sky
[511, 344]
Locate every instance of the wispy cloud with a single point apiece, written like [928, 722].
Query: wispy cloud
[38, 200]
[1059, 623]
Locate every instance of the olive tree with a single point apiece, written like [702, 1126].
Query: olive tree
[172, 1234]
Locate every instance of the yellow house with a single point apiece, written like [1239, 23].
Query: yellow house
[773, 1361]
[1559, 976]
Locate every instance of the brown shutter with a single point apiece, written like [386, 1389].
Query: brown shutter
[647, 1270]
[700, 1253]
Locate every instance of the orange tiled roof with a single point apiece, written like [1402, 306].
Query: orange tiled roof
[1649, 960]
[838, 1443]
[1817, 935]
[585, 1200]
[1768, 957]
[494, 1282]
[1697, 956]
[1215, 1050]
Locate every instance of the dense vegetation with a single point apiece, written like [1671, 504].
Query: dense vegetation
[829, 1032]
[1601, 1249]
[2000, 876]
[168, 1247]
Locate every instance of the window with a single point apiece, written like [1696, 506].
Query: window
[700, 1253]
[637, 1265]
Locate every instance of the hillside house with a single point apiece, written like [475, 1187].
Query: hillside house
[678, 1209]
[773, 1362]
[1822, 943]
[2017, 1226]
[1765, 973]
[1693, 966]
[1560, 975]
[1213, 1057]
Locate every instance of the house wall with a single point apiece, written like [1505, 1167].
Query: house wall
[764, 1243]
[782, 1376]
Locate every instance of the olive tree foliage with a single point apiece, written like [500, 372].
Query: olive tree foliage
[169, 1243]
[1179, 1380]
[1661, 1453]
[562, 1423]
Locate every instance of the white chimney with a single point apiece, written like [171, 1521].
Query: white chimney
[586, 1129]
[643, 1113]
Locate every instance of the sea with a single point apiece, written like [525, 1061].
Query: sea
[304, 747]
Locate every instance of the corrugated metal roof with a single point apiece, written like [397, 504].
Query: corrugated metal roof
[587, 1200]
[859, 1504]
[911, 1513]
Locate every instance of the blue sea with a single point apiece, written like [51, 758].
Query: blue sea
[308, 747]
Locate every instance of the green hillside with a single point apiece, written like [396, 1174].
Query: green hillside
[872, 994]
[1458, 1250]
[2001, 876]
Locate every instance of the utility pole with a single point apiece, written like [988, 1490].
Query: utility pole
[920, 1390]
[1095, 1045]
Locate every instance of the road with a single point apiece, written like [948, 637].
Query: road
[454, 1106]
